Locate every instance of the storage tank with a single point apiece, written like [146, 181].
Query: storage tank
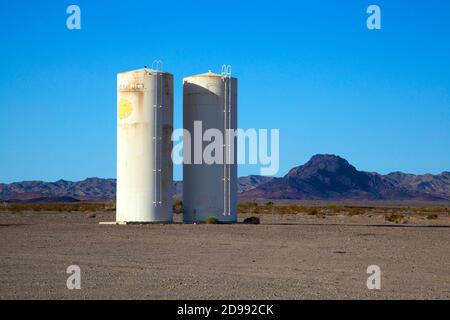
[210, 189]
[144, 146]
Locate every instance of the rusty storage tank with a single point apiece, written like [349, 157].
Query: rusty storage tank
[210, 189]
[144, 146]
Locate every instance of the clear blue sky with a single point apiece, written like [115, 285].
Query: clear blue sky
[380, 99]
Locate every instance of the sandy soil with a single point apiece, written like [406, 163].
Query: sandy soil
[286, 257]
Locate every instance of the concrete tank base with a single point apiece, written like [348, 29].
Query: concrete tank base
[124, 223]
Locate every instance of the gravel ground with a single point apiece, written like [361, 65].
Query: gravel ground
[285, 257]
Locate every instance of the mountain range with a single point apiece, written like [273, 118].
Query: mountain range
[323, 177]
[330, 177]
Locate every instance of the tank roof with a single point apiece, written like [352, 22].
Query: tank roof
[146, 69]
[206, 74]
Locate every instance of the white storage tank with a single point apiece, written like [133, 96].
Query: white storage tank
[210, 189]
[144, 145]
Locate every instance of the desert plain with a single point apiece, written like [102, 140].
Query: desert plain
[317, 254]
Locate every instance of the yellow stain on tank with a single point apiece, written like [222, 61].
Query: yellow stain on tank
[125, 108]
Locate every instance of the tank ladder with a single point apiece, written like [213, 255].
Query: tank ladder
[226, 78]
[157, 134]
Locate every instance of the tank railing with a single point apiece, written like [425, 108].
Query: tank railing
[226, 70]
[157, 65]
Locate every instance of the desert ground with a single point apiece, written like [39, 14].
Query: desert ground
[287, 256]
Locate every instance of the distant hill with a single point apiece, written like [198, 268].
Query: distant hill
[330, 177]
[324, 177]
[91, 189]
[251, 182]
[244, 184]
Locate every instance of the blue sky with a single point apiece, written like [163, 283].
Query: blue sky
[380, 99]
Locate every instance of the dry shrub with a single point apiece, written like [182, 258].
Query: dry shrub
[110, 206]
[395, 218]
[247, 207]
[211, 220]
[177, 206]
[298, 209]
[336, 208]
[313, 211]
[59, 207]
[355, 211]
